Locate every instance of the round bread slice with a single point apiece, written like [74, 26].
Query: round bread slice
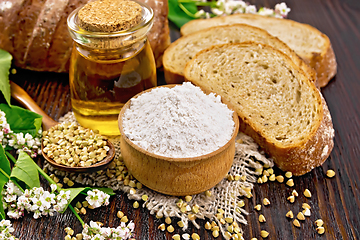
[309, 43]
[277, 104]
[185, 48]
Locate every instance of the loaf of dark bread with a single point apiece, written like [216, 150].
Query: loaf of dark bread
[36, 34]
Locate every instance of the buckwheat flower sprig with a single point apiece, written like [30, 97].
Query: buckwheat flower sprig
[97, 198]
[6, 229]
[229, 7]
[35, 200]
[95, 231]
[19, 141]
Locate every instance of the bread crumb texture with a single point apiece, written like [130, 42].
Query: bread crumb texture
[267, 91]
[109, 15]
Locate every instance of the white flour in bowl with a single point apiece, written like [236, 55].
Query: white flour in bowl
[178, 122]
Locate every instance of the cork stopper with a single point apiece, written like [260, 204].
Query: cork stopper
[109, 15]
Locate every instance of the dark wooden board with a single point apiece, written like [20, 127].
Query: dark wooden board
[336, 201]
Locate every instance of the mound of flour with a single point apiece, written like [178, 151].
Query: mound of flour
[178, 122]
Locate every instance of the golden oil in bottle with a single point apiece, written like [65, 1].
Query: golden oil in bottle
[107, 69]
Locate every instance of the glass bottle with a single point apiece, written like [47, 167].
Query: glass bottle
[107, 69]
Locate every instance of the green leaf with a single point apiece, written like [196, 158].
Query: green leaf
[5, 64]
[107, 191]
[25, 170]
[3, 181]
[177, 15]
[22, 120]
[5, 166]
[4, 161]
[74, 192]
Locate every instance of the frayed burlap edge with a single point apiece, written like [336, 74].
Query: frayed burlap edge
[226, 195]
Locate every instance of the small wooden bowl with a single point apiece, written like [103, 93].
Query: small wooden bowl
[92, 168]
[177, 176]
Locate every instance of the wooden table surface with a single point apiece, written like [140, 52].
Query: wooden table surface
[336, 201]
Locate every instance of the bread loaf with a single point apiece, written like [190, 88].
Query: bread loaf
[309, 43]
[36, 34]
[277, 104]
[186, 47]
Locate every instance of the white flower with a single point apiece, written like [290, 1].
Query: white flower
[266, 12]
[23, 202]
[11, 142]
[94, 231]
[217, 11]
[250, 9]
[10, 198]
[53, 187]
[97, 198]
[282, 9]
[200, 13]
[63, 197]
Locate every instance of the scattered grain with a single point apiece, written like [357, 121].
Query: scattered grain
[291, 199]
[188, 198]
[215, 233]
[330, 173]
[307, 193]
[162, 227]
[168, 220]
[272, 177]
[257, 207]
[280, 179]
[264, 234]
[300, 216]
[296, 223]
[288, 174]
[180, 224]
[207, 226]
[306, 212]
[195, 236]
[320, 230]
[262, 218]
[119, 214]
[295, 193]
[319, 223]
[290, 214]
[306, 206]
[170, 229]
[266, 202]
[124, 219]
[176, 237]
[290, 182]
[136, 204]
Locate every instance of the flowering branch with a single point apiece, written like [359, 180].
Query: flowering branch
[182, 11]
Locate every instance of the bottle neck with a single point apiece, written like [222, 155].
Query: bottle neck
[111, 54]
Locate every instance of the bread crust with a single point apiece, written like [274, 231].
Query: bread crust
[323, 62]
[205, 37]
[300, 157]
[36, 34]
[303, 158]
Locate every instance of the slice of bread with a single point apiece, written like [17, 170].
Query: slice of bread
[186, 47]
[309, 43]
[277, 104]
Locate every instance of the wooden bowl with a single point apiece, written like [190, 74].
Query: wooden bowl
[92, 168]
[177, 176]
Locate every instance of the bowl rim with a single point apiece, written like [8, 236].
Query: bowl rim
[92, 168]
[175, 159]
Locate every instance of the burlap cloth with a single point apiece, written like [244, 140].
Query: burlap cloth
[225, 195]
